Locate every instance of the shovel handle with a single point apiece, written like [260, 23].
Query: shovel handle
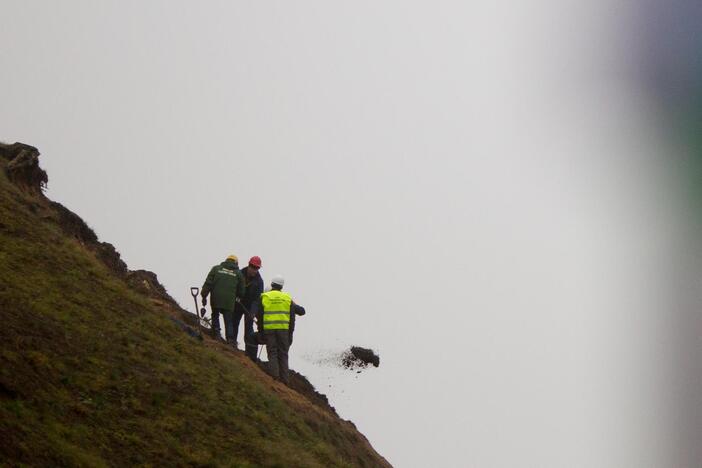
[194, 291]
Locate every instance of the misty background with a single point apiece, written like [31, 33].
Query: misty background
[489, 194]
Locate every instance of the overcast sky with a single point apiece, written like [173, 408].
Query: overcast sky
[478, 190]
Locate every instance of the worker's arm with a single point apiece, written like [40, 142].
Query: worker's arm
[291, 328]
[207, 287]
[241, 286]
[297, 309]
[257, 287]
[294, 310]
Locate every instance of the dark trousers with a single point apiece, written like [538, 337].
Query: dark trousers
[228, 324]
[277, 346]
[251, 345]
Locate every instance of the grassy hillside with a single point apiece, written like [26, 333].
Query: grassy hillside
[93, 372]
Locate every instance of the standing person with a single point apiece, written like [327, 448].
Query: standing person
[225, 283]
[275, 310]
[254, 288]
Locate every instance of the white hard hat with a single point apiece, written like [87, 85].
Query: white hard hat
[279, 280]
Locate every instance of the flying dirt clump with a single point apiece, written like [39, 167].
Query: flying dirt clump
[359, 358]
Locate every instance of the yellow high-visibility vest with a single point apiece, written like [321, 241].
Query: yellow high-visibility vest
[276, 310]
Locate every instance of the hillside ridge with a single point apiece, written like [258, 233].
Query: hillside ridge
[96, 369]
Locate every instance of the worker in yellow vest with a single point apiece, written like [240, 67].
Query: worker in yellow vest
[276, 313]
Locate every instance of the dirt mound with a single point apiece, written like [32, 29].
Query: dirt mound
[359, 358]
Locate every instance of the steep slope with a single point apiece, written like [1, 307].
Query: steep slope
[94, 371]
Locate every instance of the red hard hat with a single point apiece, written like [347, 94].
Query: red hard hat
[255, 261]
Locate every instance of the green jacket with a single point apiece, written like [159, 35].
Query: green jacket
[226, 283]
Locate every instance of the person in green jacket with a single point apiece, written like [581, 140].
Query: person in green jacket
[225, 285]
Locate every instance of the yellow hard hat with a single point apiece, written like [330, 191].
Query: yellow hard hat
[233, 257]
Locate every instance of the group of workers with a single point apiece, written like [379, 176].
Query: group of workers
[236, 293]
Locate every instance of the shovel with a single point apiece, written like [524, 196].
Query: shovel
[194, 292]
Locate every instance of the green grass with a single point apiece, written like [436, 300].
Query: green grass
[93, 373]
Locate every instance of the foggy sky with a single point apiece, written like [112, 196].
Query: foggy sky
[480, 191]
